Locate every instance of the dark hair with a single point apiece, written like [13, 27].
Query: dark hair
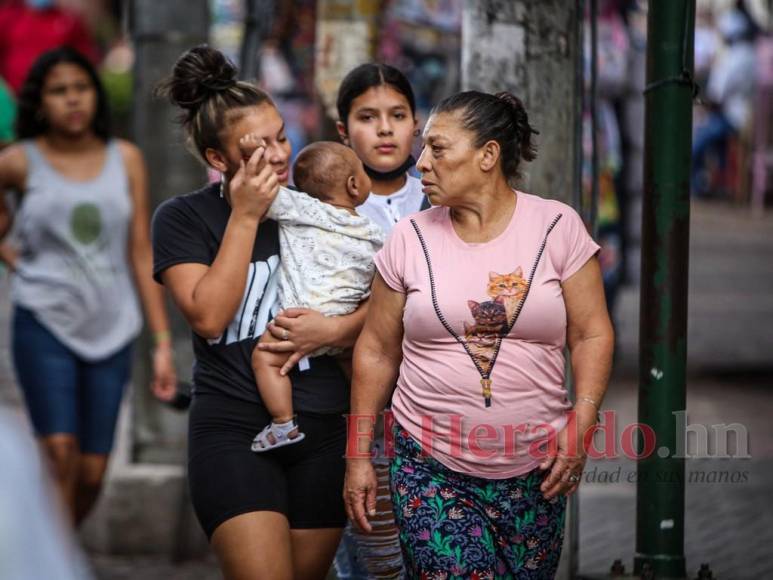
[204, 85]
[321, 168]
[29, 122]
[501, 118]
[367, 76]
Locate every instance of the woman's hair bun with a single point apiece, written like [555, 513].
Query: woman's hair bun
[204, 85]
[523, 130]
[199, 74]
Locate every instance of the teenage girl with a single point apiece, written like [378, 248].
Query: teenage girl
[377, 113]
[82, 253]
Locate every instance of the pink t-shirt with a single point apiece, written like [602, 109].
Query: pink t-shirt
[460, 299]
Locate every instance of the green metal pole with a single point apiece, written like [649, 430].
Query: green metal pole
[665, 245]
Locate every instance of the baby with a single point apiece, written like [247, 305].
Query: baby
[326, 264]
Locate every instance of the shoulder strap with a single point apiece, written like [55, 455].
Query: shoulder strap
[34, 156]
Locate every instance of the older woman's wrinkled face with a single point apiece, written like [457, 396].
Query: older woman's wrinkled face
[449, 162]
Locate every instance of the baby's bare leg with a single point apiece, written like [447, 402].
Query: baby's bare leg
[275, 390]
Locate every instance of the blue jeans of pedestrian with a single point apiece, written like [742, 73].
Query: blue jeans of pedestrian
[711, 137]
[64, 393]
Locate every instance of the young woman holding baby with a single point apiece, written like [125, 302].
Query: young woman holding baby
[276, 515]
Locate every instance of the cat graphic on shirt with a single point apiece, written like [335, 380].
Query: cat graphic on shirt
[492, 317]
[511, 288]
[490, 324]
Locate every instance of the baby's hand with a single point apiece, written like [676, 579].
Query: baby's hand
[248, 143]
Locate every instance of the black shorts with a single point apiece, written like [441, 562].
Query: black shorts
[303, 481]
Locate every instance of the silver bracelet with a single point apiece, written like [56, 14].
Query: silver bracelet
[591, 402]
[588, 400]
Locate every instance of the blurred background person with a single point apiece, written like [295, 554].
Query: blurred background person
[613, 52]
[728, 96]
[631, 115]
[422, 38]
[32, 27]
[35, 540]
[7, 114]
[707, 42]
[83, 252]
[287, 70]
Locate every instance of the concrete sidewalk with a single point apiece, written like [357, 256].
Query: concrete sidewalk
[727, 524]
[730, 380]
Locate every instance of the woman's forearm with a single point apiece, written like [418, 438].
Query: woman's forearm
[164, 383]
[347, 328]
[151, 294]
[589, 333]
[591, 366]
[375, 374]
[218, 293]
[373, 381]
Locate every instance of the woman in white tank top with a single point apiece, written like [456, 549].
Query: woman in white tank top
[80, 256]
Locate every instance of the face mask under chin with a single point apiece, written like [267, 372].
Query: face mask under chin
[377, 175]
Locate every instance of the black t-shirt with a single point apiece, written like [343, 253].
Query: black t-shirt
[189, 229]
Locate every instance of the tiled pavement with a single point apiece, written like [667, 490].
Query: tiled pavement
[730, 380]
[730, 352]
[728, 525]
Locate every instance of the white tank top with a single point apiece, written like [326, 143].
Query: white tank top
[73, 266]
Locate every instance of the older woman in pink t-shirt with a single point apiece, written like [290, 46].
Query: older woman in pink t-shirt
[474, 302]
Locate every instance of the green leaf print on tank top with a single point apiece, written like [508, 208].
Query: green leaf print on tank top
[86, 223]
[91, 260]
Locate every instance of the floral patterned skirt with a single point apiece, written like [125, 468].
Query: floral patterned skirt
[454, 525]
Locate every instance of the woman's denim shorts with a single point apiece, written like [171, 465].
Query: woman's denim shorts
[64, 393]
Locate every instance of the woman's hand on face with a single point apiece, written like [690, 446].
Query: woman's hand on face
[164, 384]
[300, 331]
[568, 461]
[360, 485]
[255, 185]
